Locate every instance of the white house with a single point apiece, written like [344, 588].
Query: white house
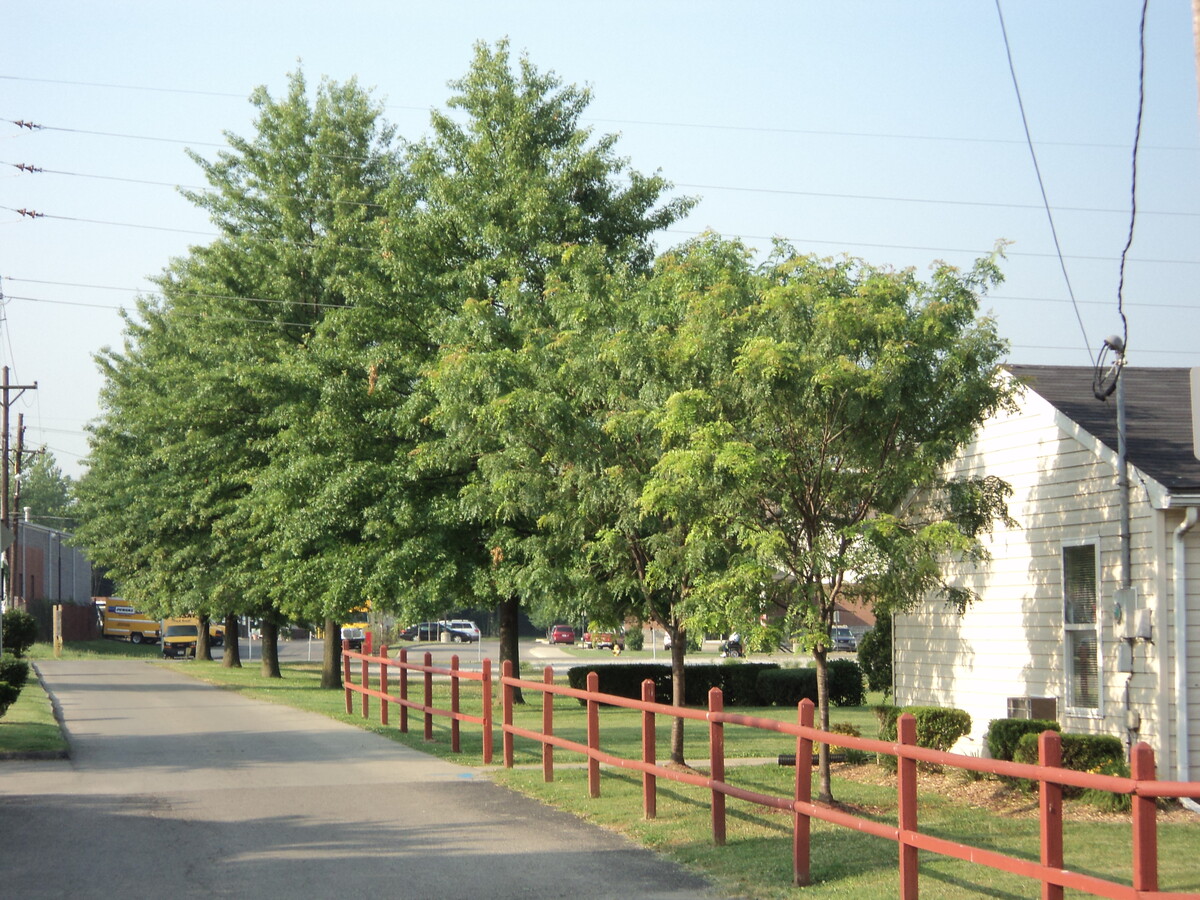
[1052, 634]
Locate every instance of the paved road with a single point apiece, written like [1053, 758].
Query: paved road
[177, 788]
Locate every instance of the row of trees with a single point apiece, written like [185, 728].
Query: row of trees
[455, 370]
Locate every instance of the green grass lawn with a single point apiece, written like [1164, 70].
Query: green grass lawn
[29, 727]
[756, 861]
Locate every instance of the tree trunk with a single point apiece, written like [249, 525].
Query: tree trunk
[270, 649]
[232, 657]
[678, 690]
[203, 644]
[821, 655]
[331, 662]
[509, 648]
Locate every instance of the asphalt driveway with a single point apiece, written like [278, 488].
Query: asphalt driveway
[179, 788]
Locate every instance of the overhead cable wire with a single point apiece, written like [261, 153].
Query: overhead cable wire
[652, 123]
[1041, 182]
[187, 293]
[1137, 140]
[796, 240]
[29, 169]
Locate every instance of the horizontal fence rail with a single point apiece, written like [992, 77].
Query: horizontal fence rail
[1051, 778]
[402, 667]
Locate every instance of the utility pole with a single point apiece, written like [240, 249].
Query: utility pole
[6, 520]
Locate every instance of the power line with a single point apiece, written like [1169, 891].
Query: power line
[1037, 169]
[30, 169]
[1137, 140]
[152, 293]
[206, 316]
[653, 123]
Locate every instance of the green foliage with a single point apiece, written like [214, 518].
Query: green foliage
[8, 696]
[938, 728]
[13, 671]
[846, 683]
[875, 654]
[738, 681]
[1004, 734]
[1100, 754]
[787, 687]
[20, 631]
[47, 492]
[1081, 752]
[635, 638]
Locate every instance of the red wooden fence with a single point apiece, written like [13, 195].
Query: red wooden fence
[401, 699]
[1049, 871]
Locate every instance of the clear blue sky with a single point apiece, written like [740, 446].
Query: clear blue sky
[889, 131]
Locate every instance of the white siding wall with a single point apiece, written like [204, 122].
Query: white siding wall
[1167, 642]
[1010, 643]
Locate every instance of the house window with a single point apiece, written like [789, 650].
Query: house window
[1082, 643]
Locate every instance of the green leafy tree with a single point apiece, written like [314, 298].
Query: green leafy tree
[212, 373]
[503, 190]
[46, 492]
[851, 389]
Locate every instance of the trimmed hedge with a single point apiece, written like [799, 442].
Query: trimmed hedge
[787, 687]
[846, 683]
[14, 671]
[938, 727]
[8, 696]
[625, 680]
[1081, 752]
[1003, 734]
[20, 631]
[737, 681]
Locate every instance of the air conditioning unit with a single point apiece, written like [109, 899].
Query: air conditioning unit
[1033, 708]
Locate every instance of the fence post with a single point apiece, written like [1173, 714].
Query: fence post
[455, 740]
[487, 711]
[593, 734]
[366, 683]
[802, 822]
[346, 677]
[649, 754]
[1050, 801]
[1145, 827]
[383, 684]
[403, 690]
[547, 726]
[906, 788]
[716, 760]
[428, 696]
[506, 697]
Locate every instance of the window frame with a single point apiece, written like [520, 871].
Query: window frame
[1075, 628]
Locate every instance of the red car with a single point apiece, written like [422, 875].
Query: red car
[603, 640]
[562, 634]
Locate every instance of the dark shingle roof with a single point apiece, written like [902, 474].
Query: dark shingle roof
[1158, 416]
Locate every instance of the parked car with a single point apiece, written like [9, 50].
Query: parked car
[843, 638]
[562, 634]
[603, 640]
[461, 629]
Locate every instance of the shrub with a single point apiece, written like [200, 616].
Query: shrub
[937, 727]
[1081, 752]
[787, 687]
[13, 671]
[738, 681]
[635, 638]
[8, 696]
[846, 683]
[875, 654]
[1099, 753]
[625, 680]
[1003, 734]
[20, 631]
